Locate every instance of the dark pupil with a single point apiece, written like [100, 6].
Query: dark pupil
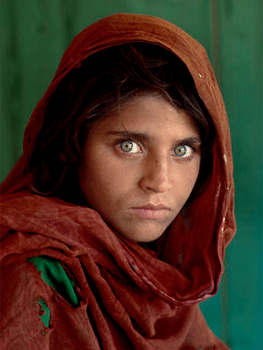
[126, 146]
[180, 150]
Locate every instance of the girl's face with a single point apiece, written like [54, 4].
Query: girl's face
[140, 165]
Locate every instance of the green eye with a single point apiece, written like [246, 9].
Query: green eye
[182, 151]
[126, 146]
[129, 147]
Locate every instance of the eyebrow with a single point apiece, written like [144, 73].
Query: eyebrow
[131, 134]
[146, 138]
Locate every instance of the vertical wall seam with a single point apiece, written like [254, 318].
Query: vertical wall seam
[11, 86]
[215, 39]
[216, 62]
[69, 10]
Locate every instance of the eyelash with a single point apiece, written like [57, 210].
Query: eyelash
[194, 149]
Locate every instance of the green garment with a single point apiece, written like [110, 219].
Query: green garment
[56, 277]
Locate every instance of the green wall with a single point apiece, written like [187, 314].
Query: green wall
[34, 34]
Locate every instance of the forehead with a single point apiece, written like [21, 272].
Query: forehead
[150, 114]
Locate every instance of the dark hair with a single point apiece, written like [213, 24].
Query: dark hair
[103, 82]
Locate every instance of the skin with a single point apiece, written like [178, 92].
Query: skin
[140, 165]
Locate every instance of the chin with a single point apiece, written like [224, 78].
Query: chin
[142, 238]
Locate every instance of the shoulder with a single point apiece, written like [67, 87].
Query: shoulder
[40, 308]
[24, 307]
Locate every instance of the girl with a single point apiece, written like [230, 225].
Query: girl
[117, 215]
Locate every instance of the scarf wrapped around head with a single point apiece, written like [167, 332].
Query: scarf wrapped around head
[130, 298]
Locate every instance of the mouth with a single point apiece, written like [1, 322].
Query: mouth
[152, 212]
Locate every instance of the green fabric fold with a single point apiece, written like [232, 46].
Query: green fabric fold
[56, 277]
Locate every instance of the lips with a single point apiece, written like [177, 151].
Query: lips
[151, 211]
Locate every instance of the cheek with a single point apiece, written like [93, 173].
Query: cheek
[188, 176]
[105, 180]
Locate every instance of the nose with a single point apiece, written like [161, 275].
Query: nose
[157, 176]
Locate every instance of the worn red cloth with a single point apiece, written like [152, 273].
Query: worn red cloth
[129, 298]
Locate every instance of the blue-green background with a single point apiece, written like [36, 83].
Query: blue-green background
[34, 34]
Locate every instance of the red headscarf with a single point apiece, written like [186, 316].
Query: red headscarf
[130, 299]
